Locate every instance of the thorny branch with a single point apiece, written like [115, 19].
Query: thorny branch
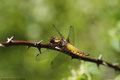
[39, 45]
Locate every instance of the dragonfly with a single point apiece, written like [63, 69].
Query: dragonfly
[63, 43]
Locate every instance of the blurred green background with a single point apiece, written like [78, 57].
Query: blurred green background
[96, 31]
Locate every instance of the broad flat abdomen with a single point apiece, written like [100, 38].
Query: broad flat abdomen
[75, 50]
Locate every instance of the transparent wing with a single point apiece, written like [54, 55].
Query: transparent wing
[71, 36]
[60, 60]
[43, 55]
[58, 32]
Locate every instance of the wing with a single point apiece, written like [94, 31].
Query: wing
[58, 31]
[68, 38]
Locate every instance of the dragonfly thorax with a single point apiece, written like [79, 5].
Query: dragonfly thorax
[58, 42]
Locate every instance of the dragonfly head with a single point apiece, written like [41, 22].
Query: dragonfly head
[52, 40]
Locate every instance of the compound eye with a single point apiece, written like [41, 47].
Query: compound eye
[52, 40]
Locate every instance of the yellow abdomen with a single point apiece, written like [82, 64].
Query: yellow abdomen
[75, 50]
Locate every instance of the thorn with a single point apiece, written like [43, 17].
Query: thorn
[39, 49]
[57, 48]
[37, 45]
[105, 63]
[100, 57]
[39, 42]
[10, 39]
[99, 60]
[1, 45]
[98, 65]
[115, 64]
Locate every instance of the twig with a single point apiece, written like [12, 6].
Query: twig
[40, 45]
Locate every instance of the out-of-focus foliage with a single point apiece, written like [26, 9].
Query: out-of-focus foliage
[115, 37]
[96, 25]
[117, 78]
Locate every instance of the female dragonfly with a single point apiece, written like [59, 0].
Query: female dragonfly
[65, 44]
